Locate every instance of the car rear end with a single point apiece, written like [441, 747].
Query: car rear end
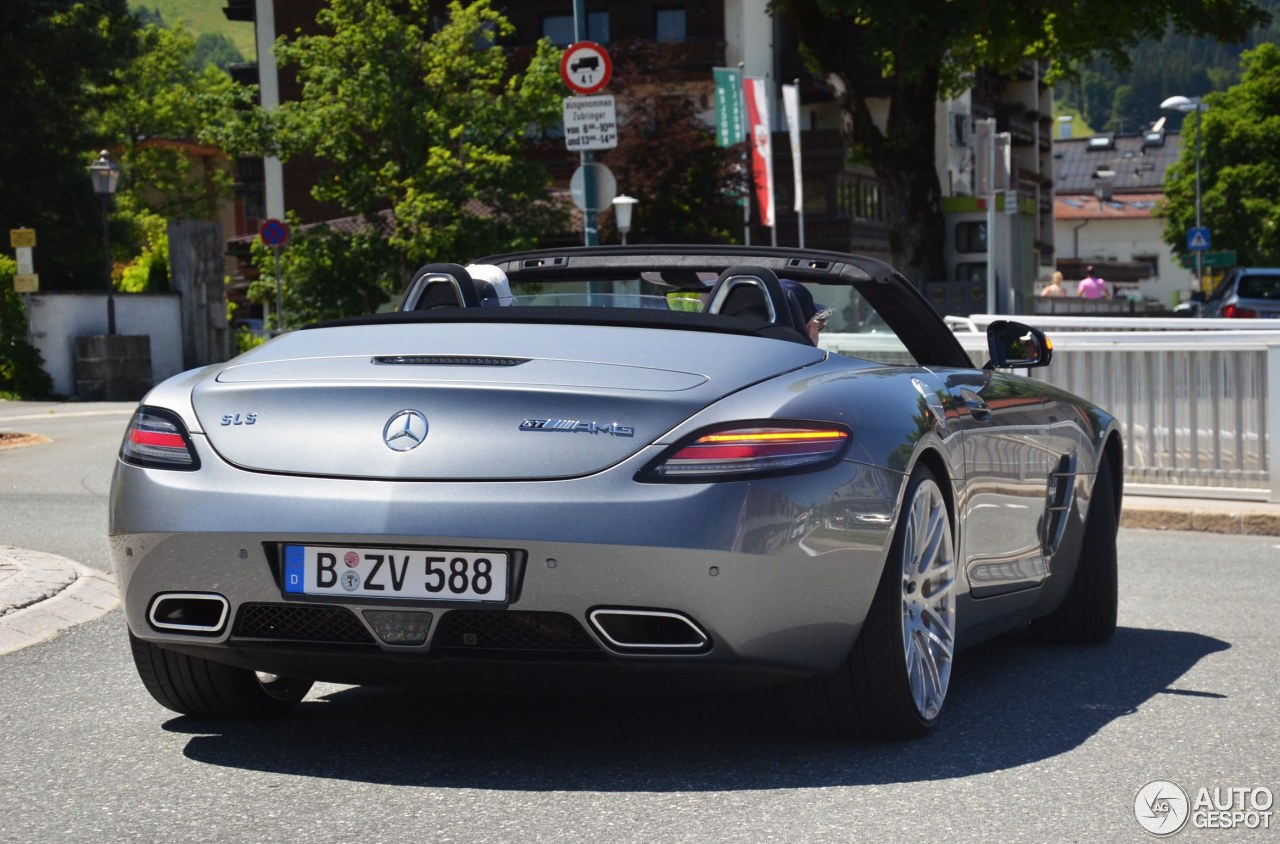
[374, 503]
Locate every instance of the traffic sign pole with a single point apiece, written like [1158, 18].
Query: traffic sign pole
[590, 224]
[275, 234]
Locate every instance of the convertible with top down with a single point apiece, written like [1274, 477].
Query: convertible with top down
[600, 467]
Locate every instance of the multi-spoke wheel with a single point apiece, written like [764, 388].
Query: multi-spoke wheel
[894, 682]
[928, 598]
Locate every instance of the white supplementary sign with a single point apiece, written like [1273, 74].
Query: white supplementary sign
[590, 123]
[26, 263]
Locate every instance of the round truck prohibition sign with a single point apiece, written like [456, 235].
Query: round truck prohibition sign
[586, 67]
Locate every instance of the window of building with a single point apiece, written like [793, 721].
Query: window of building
[1151, 259]
[669, 25]
[971, 237]
[560, 28]
[815, 197]
[972, 272]
[859, 199]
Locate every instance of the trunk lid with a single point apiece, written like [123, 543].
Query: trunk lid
[497, 401]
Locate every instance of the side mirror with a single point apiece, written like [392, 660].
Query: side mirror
[1017, 345]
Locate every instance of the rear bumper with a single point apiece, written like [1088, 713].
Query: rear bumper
[779, 574]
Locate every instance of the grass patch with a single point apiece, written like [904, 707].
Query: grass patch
[201, 16]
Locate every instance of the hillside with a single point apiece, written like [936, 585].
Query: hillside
[1114, 100]
[202, 16]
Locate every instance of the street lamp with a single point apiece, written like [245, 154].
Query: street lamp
[1184, 105]
[622, 206]
[105, 175]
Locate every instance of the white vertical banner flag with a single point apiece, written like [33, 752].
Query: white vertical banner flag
[791, 105]
[757, 97]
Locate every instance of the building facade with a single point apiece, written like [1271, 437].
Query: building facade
[1107, 213]
[843, 208]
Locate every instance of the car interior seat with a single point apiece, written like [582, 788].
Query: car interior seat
[755, 293]
[442, 286]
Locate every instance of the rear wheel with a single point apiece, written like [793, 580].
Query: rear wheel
[193, 686]
[1087, 615]
[895, 680]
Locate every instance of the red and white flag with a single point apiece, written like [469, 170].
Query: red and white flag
[757, 97]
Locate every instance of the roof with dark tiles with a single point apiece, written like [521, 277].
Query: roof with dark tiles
[1139, 162]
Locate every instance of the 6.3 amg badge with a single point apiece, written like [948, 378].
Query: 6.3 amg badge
[576, 426]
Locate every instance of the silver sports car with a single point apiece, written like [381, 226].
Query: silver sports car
[595, 466]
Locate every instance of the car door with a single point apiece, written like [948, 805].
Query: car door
[1009, 462]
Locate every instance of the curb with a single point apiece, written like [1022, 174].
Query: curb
[1246, 523]
[43, 595]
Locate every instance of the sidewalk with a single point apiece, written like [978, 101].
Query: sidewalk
[41, 595]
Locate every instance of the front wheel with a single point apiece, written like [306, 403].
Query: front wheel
[199, 687]
[894, 682]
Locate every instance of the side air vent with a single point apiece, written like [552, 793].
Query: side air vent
[446, 360]
[1058, 500]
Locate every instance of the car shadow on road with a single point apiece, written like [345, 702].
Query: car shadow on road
[1010, 703]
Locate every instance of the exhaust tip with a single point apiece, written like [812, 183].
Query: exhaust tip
[189, 612]
[652, 631]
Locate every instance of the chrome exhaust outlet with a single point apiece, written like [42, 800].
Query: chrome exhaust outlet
[189, 612]
[659, 631]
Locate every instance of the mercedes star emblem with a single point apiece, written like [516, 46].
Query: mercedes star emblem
[405, 430]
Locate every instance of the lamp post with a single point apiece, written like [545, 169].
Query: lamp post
[622, 206]
[106, 174]
[1184, 105]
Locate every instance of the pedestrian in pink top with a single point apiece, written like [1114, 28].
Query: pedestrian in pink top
[1092, 287]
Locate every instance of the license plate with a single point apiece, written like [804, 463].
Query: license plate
[433, 574]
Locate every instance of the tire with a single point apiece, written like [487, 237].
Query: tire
[1087, 615]
[204, 689]
[894, 682]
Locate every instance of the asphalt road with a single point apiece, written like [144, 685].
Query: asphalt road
[1037, 744]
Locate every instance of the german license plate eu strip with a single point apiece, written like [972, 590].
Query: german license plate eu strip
[425, 573]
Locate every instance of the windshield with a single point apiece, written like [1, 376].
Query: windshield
[852, 326]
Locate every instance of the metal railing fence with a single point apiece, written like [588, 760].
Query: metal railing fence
[1192, 399]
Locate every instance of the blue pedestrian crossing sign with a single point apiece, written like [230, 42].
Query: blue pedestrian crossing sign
[1198, 239]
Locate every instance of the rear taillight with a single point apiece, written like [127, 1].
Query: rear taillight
[751, 450]
[158, 439]
[1237, 312]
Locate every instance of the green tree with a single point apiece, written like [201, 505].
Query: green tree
[326, 274]
[913, 51]
[429, 123]
[22, 374]
[668, 159]
[1240, 166]
[1176, 63]
[52, 55]
[160, 115]
[156, 104]
[216, 49]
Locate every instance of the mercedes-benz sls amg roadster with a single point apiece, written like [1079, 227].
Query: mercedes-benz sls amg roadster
[609, 465]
